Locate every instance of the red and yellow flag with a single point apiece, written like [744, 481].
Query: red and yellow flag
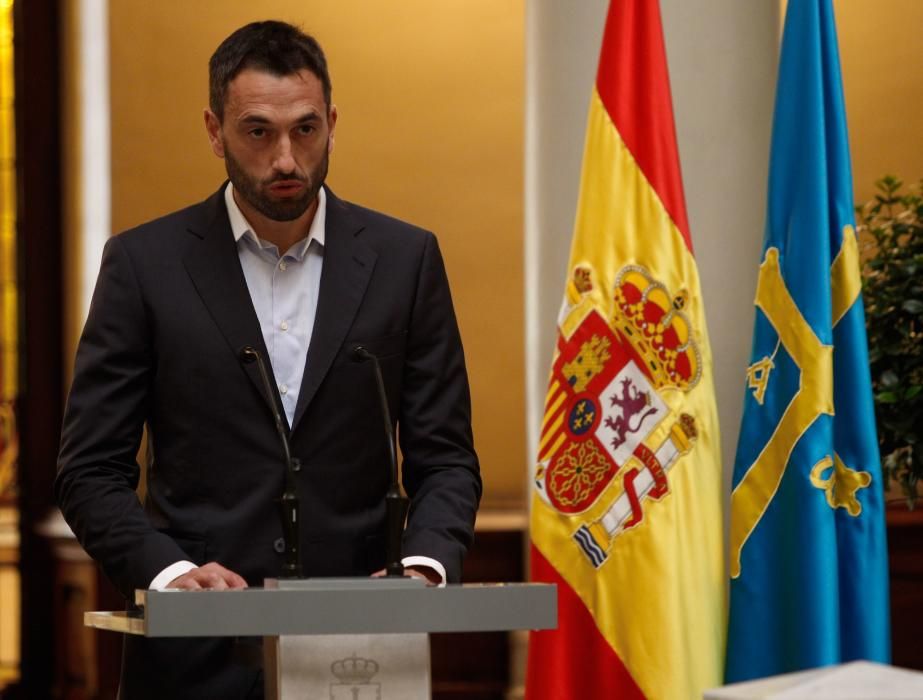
[626, 506]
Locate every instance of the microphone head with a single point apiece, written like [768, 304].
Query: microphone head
[360, 353]
[247, 354]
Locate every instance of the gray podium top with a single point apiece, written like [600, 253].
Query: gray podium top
[336, 606]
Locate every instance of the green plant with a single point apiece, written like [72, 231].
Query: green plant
[891, 228]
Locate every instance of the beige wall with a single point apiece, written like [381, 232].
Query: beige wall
[882, 61]
[430, 99]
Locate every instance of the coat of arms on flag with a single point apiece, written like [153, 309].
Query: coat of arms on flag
[608, 432]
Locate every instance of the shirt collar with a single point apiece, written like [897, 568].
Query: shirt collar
[240, 227]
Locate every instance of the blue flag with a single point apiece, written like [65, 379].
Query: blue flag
[808, 557]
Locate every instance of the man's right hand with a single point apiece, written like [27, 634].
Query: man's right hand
[212, 576]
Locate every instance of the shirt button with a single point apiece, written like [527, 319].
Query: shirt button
[284, 325]
[282, 265]
[283, 389]
[279, 545]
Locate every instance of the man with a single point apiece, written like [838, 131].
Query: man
[275, 261]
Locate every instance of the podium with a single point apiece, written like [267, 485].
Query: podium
[332, 638]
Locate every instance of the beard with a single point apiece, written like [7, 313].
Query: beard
[255, 191]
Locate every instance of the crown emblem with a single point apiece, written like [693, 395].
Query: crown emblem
[583, 279]
[354, 669]
[579, 284]
[654, 323]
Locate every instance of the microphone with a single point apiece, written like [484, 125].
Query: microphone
[288, 505]
[396, 503]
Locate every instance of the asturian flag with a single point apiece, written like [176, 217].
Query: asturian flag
[626, 505]
[808, 560]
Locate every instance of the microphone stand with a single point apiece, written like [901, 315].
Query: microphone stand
[289, 503]
[396, 503]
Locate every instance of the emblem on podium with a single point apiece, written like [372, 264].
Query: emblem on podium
[354, 679]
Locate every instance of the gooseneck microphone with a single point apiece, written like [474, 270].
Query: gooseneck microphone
[288, 504]
[396, 503]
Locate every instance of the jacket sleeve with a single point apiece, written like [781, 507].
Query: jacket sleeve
[440, 468]
[97, 468]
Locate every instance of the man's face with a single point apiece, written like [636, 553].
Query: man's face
[276, 138]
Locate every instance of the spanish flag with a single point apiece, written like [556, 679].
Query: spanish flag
[626, 493]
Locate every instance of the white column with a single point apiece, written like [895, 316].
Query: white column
[562, 51]
[95, 190]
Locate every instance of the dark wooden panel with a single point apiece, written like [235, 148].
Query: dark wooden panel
[477, 666]
[39, 242]
[86, 661]
[905, 550]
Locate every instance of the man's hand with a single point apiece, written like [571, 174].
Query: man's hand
[431, 576]
[212, 576]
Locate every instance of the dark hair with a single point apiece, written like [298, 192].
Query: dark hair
[275, 47]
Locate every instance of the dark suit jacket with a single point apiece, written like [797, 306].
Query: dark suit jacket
[161, 346]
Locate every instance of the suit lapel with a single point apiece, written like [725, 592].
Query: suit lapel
[213, 263]
[348, 265]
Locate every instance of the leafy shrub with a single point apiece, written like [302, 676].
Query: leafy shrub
[891, 228]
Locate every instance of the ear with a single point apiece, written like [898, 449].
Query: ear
[332, 124]
[213, 129]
